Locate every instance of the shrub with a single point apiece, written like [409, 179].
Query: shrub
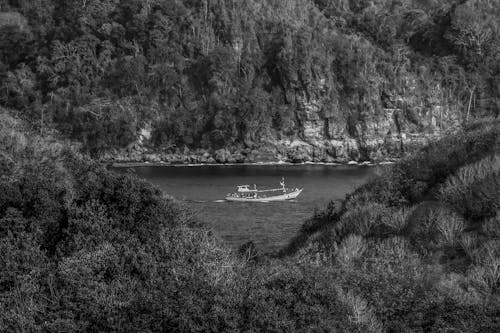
[22, 265]
[391, 188]
[283, 296]
[469, 242]
[432, 226]
[360, 312]
[474, 190]
[370, 219]
[392, 282]
[485, 274]
[456, 287]
[398, 220]
[491, 227]
[435, 162]
[350, 249]
[394, 250]
[450, 226]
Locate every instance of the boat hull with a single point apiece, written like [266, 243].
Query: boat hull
[282, 197]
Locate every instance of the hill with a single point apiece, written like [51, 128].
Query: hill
[85, 249]
[232, 81]
[420, 243]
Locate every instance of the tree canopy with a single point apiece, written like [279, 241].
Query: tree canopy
[212, 73]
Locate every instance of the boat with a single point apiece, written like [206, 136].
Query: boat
[247, 194]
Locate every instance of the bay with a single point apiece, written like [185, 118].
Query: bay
[269, 225]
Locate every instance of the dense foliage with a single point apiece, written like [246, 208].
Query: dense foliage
[85, 249]
[420, 243]
[221, 73]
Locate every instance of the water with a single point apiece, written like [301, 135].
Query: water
[269, 225]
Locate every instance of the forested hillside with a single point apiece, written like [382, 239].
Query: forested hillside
[300, 79]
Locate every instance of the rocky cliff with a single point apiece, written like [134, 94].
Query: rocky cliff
[393, 124]
[387, 135]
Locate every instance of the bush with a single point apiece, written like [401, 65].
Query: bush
[437, 161]
[474, 190]
[350, 249]
[450, 226]
[485, 274]
[491, 227]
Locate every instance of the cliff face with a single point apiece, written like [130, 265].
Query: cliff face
[390, 125]
[404, 123]
[383, 122]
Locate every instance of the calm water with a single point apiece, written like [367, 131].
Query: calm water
[269, 225]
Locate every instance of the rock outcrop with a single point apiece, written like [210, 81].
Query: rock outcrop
[389, 135]
[385, 127]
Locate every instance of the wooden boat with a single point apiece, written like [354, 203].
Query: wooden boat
[247, 194]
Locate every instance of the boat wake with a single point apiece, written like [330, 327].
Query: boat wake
[219, 200]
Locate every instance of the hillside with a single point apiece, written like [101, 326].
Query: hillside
[229, 81]
[421, 242]
[85, 249]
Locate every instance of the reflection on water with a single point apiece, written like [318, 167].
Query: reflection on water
[270, 224]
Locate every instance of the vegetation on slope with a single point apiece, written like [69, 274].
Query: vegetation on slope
[213, 74]
[420, 243]
[84, 249]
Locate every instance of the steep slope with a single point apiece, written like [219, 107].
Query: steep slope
[427, 230]
[459, 173]
[84, 249]
[254, 80]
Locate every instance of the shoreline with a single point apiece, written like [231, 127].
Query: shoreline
[187, 165]
[330, 153]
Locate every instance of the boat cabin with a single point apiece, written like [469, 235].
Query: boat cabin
[245, 188]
